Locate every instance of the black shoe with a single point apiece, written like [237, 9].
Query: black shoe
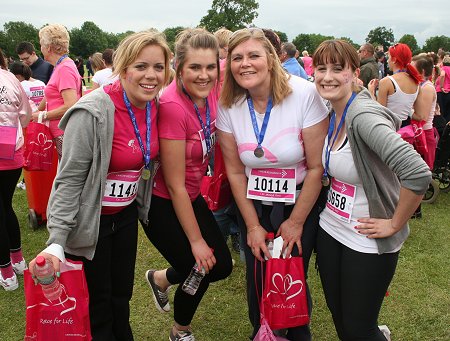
[160, 297]
[416, 215]
[235, 242]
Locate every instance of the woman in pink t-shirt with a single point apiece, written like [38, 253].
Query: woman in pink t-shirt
[15, 113]
[182, 227]
[111, 141]
[64, 87]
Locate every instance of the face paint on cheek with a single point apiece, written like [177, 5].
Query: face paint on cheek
[348, 77]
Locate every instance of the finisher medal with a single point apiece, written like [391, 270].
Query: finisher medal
[146, 174]
[259, 152]
[325, 181]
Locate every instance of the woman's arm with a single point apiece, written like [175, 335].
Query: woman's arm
[422, 105]
[95, 85]
[385, 88]
[408, 166]
[256, 234]
[382, 228]
[70, 98]
[173, 161]
[291, 230]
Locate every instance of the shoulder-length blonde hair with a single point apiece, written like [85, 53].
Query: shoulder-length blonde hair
[97, 62]
[279, 79]
[55, 36]
[130, 47]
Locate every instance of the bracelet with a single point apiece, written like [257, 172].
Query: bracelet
[45, 116]
[253, 228]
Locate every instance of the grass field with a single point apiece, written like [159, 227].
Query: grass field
[417, 309]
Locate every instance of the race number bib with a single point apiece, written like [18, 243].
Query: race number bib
[272, 184]
[121, 188]
[341, 198]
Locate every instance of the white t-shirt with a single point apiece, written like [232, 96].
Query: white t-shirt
[34, 90]
[283, 143]
[103, 77]
[342, 168]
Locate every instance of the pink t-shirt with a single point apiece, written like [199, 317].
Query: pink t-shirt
[177, 120]
[126, 153]
[307, 62]
[15, 113]
[446, 78]
[65, 76]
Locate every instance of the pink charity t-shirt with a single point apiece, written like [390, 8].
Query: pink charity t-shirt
[15, 113]
[126, 154]
[65, 76]
[177, 120]
[307, 61]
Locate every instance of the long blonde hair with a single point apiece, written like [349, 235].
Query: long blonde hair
[279, 79]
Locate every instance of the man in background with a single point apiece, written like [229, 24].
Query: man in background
[41, 69]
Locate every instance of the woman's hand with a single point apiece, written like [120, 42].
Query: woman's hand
[291, 233]
[55, 260]
[256, 240]
[375, 228]
[373, 84]
[35, 116]
[203, 254]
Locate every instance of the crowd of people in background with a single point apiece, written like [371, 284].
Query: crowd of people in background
[153, 117]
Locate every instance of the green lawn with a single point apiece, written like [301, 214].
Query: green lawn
[418, 307]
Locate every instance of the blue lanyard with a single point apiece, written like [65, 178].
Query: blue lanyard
[148, 122]
[61, 59]
[330, 133]
[402, 70]
[206, 128]
[259, 134]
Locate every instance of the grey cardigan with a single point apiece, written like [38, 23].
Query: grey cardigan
[74, 208]
[383, 161]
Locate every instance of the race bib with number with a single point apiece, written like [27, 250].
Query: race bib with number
[121, 188]
[341, 198]
[272, 184]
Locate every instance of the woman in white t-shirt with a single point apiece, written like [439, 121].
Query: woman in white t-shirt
[34, 88]
[270, 122]
[377, 181]
[102, 65]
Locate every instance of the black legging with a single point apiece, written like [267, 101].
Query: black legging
[9, 226]
[354, 284]
[167, 235]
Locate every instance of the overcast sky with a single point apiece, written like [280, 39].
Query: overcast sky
[339, 18]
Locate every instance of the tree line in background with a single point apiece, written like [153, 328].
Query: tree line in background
[232, 14]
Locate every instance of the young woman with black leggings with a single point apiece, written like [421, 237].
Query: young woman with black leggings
[377, 181]
[180, 224]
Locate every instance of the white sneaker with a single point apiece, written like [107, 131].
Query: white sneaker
[386, 332]
[21, 185]
[20, 267]
[9, 284]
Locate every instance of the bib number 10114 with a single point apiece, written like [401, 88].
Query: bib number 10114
[271, 185]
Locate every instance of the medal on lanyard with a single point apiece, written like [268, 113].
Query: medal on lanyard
[325, 178]
[146, 174]
[259, 151]
[206, 128]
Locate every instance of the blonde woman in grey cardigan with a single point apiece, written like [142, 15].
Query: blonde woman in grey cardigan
[376, 182]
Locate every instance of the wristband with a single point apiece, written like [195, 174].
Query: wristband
[253, 228]
[45, 116]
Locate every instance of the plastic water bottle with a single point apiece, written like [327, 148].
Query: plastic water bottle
[269, 242]
[45, 274]
[192, 282]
